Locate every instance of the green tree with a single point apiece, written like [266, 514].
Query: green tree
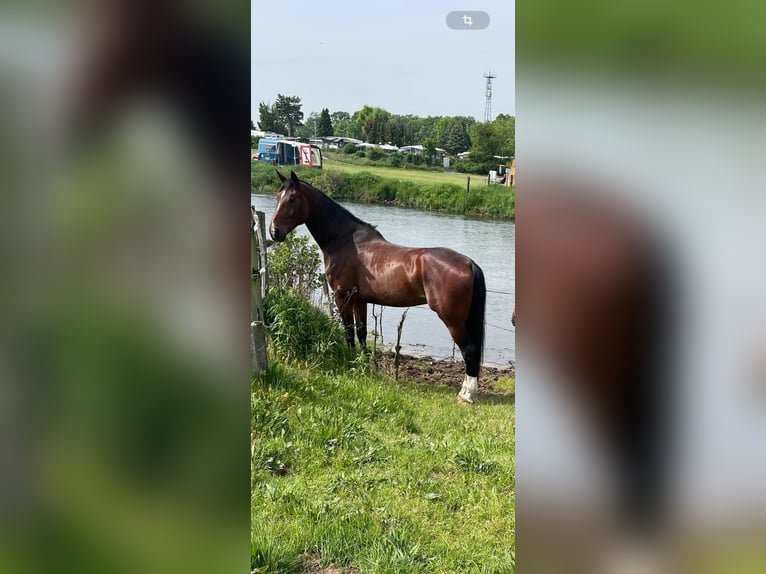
[497, 137]
[324, 126]
[456, 139]
[426, 128]
[482, 141]
[395, 131]
[348, 128]
[289, 111]
[269, 120]
[372, 122]
[410, 127]
[452, 135]
[339, 117]
[361, 116]
[310, 127]
[505, 135]
[441, 128]
[373, 130]
[429, 150]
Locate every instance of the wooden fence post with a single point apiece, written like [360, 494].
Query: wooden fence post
[262, 249]
[399, 344]
[467, 191]
[257, 291]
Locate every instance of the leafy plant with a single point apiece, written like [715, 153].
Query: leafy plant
[396, 160]
[476, 165]
[294, 264]
[299, 331]
[374, 153]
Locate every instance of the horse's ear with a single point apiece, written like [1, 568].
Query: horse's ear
[281, 177]
[293, 177]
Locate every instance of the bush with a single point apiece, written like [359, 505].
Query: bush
[374, 153]
[396, 160]
[360, 153]
[263, 177]
[415, 159]
[331, 182]
[294, 265]
[475, 165]
[349, 148]
[299, 331]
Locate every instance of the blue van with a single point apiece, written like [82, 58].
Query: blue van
[289, 152]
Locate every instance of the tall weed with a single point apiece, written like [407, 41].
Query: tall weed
[299, 331]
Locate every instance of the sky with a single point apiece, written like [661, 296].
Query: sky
[399, 55]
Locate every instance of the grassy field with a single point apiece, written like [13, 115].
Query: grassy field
[416, 175]
[354, 472]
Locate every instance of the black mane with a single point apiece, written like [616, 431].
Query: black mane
[342, 212]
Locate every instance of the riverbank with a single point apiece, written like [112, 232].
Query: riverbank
[395, 186]
[441, 372]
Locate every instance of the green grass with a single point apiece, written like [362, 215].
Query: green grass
[407, 174]
[355, 470]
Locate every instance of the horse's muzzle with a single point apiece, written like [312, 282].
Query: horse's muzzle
[276, 234]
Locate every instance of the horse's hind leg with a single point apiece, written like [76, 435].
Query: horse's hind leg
[454, 315]
[472, 357]
[360, 318]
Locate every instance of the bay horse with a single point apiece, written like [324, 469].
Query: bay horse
[362, 268]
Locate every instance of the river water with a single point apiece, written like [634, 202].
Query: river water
[490, 243]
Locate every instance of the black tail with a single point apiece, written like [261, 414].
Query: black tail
[474, 324]
[645, 434]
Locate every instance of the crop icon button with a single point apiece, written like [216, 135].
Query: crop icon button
[468, 20]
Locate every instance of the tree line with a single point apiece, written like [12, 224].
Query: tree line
[371, 124]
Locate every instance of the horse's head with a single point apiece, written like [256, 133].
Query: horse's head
[292, 207]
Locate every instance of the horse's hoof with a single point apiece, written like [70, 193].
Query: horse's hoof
[464, 398]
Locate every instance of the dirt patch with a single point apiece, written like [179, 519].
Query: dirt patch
[314, 566]
[442, 373]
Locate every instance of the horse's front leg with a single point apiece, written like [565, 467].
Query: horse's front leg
[360, 317]
[347, 316]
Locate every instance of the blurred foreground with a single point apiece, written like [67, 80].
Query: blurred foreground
[642, 386]
[124, 365]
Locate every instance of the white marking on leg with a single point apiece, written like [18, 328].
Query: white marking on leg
[470, 386]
